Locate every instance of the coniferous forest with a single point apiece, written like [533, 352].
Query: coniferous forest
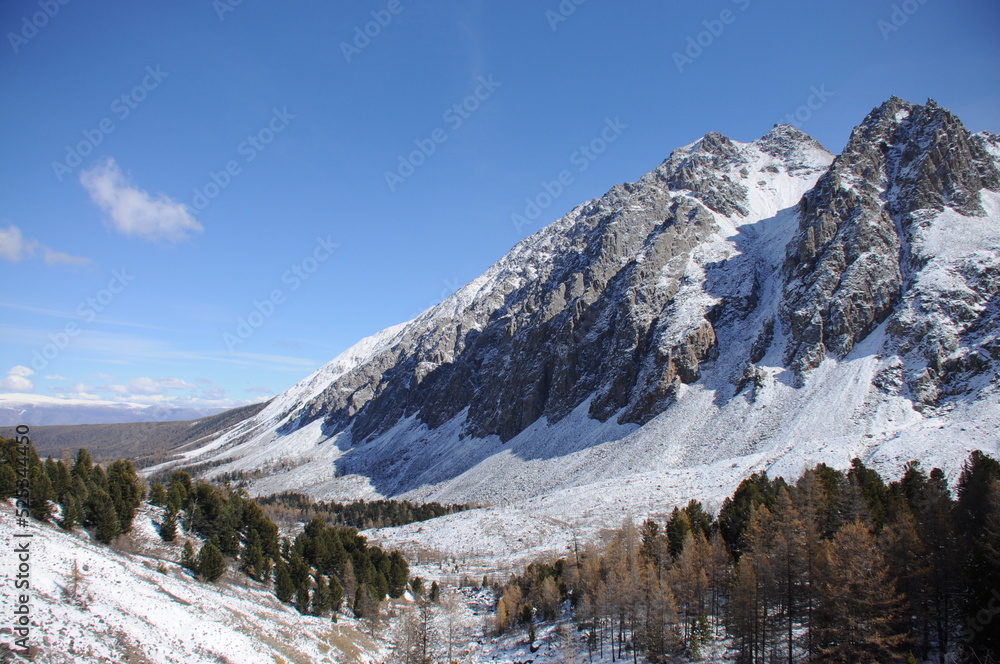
[321, 569]
[836, 567]
[361, 514]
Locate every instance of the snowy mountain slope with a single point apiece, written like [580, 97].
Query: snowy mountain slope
[744, 306]
[127, 611]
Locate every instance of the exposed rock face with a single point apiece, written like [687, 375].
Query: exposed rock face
[696, 303]
[585, 309]
[854, 254]
[588, 308]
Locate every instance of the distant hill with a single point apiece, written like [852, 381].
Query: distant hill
[39, 410]
[144, 443]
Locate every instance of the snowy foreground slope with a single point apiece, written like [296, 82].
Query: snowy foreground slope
[135, 604]
[742, 307]
[125, 610]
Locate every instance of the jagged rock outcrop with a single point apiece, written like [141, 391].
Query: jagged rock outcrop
[854, 253]
[585, 309]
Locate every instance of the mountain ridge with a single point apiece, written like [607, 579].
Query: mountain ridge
[742, 306]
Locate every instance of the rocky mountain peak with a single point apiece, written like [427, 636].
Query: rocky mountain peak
[789, 144]
[683, 305]
[850, 262]
[705, 168]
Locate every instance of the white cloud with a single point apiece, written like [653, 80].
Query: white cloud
[16, 384]
[201, 393]
[76, 391]
[174, 384]
[55, 377]
[133, 211]
[145, 386]
[17, 380]
[14, 247]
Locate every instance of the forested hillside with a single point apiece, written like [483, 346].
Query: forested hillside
[835, 567]
[320, 569]
[362, 514]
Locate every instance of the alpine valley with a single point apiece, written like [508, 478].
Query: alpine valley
[741, 307]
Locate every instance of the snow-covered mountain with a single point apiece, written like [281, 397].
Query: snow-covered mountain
[743, 306]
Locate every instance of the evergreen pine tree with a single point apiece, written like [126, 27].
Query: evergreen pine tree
[336, 596]
[78, 488]
[52, 472]
[168, 529]
[70, 513]
[252, 557]
[8, 481]
[978, 522]
[298, 569]
[41, 493]
[283, 586]
[211, 564]
[302, 598]
[678, 528]
[321, 600]
[158, 494]
[83, 465]
[435, 592]
[99, 478]
[699, 519]
[102, 515]
[63, 480]
[399, 573]
[188, 559]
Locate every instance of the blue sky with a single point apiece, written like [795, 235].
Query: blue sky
[173, 167]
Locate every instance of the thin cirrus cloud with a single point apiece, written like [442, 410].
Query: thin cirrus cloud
[132, 211]
[14, 247]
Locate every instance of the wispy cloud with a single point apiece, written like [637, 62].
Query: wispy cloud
[134, 212]
[148, 386]
[117, 348]
[14, 247]
[59, 258]
[55, 313]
